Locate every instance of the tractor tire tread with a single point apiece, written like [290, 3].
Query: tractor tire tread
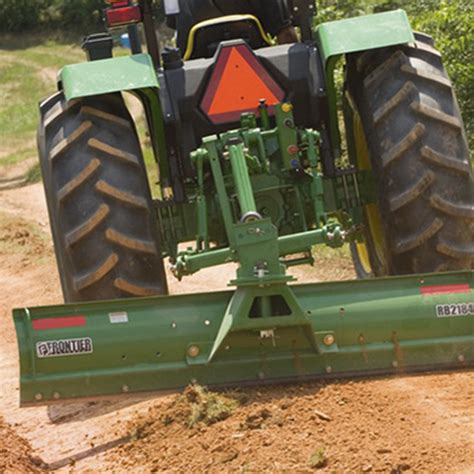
[80, 178]
[451, 208]
[466, 252]
[436, 79]
[419, 154]
[73, 137]
[414, 192]
[101, 211]
[95, 112]
[97, 273]
[445, 161]
[131, 243]
[405, 91]
[134, 289]
[100, 146]
[435, 114]
[397, 150]
[120, 195]
[417, 239]
[88, 226]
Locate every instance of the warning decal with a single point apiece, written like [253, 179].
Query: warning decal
[64, 347]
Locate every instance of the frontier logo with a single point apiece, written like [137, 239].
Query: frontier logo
[64, 347]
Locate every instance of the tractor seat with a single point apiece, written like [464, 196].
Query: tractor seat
[204, 37]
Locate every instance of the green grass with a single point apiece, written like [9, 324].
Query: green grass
[27, 70]
[318, 459]
[198, 405]
[18, 155]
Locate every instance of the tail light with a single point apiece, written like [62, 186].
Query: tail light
[122, 13]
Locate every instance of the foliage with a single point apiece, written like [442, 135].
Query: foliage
[21, 15]
[17, 15]
[80, 15]
[449, 22]
[80, 12]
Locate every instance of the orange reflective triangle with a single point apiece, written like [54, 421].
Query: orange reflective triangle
[240, 87]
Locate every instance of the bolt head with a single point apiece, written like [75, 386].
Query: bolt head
[329, 339]
[460, 358]
[193, 351]
[395, 363]
[56, 395]
[125, 388]
[38, 396]
[328, 369]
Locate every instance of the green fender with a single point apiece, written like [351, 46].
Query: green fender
[126, 73]
[353, 35]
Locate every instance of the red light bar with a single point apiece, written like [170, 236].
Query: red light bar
[123, 16]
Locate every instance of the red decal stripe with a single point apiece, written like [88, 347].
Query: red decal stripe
[445, 289]
[56, 323]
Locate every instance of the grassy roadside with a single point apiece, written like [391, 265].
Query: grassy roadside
[28, 68]
[28, 71]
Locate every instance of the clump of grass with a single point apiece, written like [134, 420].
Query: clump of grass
[199, 405]
[318, 459]
[33, 175]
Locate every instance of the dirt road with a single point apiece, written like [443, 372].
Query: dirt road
[413, 424]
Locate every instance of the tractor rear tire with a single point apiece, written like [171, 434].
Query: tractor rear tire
[100, 208]
[419, 156]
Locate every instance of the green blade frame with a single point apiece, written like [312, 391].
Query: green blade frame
[387, 325]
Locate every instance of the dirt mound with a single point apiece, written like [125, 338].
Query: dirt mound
[18, 236]
[199, 405]
[363, 426]
[15, 453]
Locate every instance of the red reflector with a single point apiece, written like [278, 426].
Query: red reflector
[445, 289]
[123, 16]
[117, 3]
[237, 84]
[56, 323]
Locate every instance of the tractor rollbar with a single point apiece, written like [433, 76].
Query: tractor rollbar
[150, 32]
[302, 13]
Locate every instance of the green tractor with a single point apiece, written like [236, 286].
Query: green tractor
[246, 137]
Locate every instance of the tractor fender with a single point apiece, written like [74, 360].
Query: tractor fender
[106, 76]
[135, 74]
[353, 35]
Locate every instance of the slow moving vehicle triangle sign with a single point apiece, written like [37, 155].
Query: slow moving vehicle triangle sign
[237, 84]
